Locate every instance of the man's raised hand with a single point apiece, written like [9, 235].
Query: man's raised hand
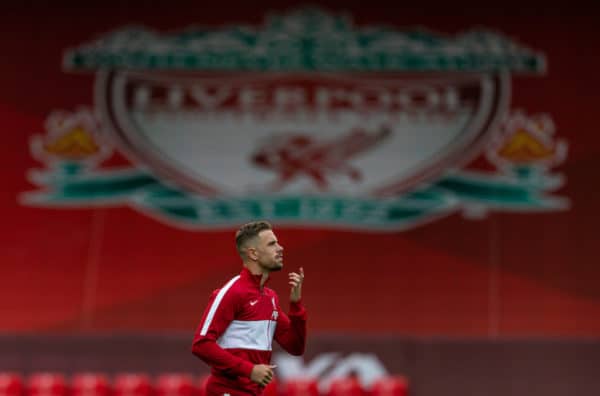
[295, 280]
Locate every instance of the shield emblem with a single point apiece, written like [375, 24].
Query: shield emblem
[336, 134]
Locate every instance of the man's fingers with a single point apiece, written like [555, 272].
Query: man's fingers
[295, 280]
[267, 378]
[270, 372]
[295, 277]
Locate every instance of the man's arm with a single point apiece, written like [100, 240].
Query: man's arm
[217, 316]
[291, 329]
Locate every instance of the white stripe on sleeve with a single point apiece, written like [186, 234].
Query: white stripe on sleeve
[215, 305]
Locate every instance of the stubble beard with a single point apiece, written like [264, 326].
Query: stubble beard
[273, 266]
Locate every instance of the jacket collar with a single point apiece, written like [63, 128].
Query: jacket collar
[254, 279]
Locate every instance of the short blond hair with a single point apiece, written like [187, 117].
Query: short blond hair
[249, 231]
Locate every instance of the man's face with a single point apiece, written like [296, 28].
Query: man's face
[269, 251]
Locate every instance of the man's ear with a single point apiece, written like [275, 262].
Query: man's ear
[251, 253]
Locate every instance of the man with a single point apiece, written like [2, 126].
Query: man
[242, 318]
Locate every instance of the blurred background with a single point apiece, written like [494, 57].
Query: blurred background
[433, 167]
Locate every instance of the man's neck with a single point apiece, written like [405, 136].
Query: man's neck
[264, 278]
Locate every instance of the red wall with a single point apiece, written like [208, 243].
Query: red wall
[115, 269]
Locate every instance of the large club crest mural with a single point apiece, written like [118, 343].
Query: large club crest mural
[306, 119]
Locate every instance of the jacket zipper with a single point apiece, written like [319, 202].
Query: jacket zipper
[269, 340]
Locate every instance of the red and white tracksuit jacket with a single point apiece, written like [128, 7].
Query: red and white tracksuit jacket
[237, 331]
